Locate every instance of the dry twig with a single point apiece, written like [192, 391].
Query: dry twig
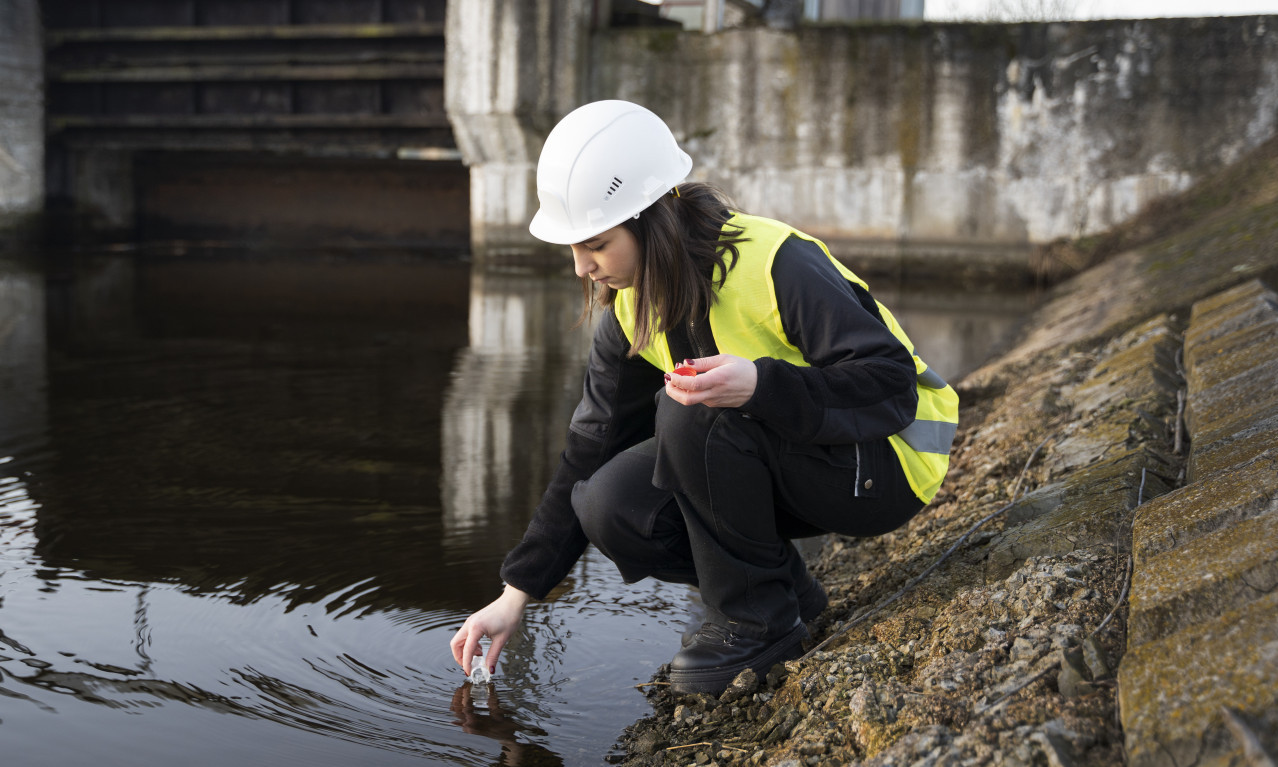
[1020, 686]
[704, 743]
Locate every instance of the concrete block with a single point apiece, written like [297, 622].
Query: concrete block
[1204, 577]
[1233, 404]
[1227, 311]
[1127, 398]
[1231, 338]
[1172, 718]
[1221, 451]
[1229, 332]
[1221, 499]
[1228, 354]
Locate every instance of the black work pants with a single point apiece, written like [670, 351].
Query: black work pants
[715, 498]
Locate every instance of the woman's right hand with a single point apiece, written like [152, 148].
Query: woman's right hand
[497, 621]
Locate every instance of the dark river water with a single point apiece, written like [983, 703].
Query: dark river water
[246, 500]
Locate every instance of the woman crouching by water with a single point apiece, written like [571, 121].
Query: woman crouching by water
[743, 389]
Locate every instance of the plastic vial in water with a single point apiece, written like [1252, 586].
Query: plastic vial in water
[479, 671]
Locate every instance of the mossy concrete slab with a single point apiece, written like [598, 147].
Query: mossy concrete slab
[1231, 405]
[1138, 367]
[1092, 507]
[1171, 691]
[1223, 498]
[1086, 444]
[1227, 448]
[1229, 354]
[1196, 581]
[1229, 311]
[1126, 399]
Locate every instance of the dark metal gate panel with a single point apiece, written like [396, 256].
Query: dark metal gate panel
[281, 200]
[197, 83]
[324, 77]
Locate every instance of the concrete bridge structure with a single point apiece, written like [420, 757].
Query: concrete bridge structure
[419, 121]
[320, 120]
[951, 141]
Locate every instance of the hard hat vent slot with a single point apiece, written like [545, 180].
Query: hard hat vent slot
[612, 188]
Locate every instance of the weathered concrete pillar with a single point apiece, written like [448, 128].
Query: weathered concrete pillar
[513, 68]
[21, 113]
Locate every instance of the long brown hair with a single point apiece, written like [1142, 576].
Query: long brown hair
[686, 249]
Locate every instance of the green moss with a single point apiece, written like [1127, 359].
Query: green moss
[909, 124]
[1168, 711]
[661, 40]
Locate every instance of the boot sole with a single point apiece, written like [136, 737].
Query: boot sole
[715, 680]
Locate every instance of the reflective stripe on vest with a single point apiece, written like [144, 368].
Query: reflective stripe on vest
[929, 436]
[747, 304]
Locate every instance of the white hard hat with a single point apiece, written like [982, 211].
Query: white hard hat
[602, 164]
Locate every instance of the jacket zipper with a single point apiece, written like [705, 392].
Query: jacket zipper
[696, 342]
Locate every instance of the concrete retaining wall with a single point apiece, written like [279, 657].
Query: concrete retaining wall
[880, 135]
[21, 111]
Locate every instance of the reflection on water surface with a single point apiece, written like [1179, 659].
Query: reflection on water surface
[246, 501]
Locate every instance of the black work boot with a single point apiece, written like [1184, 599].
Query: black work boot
[812, 600]
[713, 656]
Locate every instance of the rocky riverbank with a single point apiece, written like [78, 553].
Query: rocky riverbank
[1011, 651]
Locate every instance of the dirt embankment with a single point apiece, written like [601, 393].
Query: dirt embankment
[1007, 653]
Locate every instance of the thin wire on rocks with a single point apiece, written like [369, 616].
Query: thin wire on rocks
[850, 624]
[1127, 571]
[1122, 597]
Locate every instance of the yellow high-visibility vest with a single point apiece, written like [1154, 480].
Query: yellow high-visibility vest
[745, 321]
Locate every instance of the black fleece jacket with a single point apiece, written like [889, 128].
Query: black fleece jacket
[860, 386]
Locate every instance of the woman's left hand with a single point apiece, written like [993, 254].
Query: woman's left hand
[721, 381]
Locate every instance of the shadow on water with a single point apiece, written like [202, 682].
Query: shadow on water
[246, 500]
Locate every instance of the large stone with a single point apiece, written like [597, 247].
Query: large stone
[1171, 691]
[1092, 507]
[1138, 367]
